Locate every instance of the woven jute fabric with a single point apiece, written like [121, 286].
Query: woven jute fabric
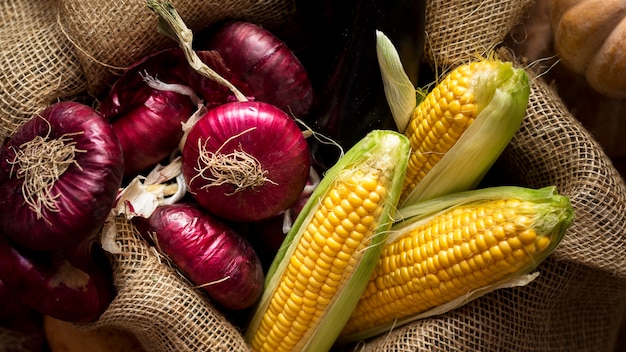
[158, 305]
[37, 62]
[110, 35]
[65, 49]
[576, 304]
[579, 299]
[458, 31]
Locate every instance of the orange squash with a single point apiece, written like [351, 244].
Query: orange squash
[590, 38]
[63, 336]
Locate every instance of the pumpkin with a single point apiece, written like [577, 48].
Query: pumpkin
[590, 38]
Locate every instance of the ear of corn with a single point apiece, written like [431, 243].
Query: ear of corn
[456, 248]
[462, 126]
[330, 252]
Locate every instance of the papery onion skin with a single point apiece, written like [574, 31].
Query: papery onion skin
[265, 62]
[85, 193]
[275, 141]
[69, 285]
[208, 251]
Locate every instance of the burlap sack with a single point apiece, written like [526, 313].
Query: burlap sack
[112, 34]
[72, 49]
[37, 61]
[461, 30]
[158, 305]
[579, 300]
[15, 341]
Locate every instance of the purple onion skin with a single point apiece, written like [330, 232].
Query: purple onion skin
[85, 193]
[148, 121]
[170, 66]
[67, 285]
[265, 63]
[276, 142]
[11, 307]
[207, 250]
[151, 131]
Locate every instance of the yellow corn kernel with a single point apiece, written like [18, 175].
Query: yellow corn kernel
[440, 120]
[321, 271]
[400, 288]
[461, 126]
[319, 282]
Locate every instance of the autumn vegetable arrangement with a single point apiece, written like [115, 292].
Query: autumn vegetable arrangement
[193, 143]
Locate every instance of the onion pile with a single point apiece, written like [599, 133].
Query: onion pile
[222, 119]
[244, 159]
[59, 176]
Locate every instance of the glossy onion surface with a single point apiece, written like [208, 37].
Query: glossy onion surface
[147, 120]
[209, 252]
[84, 193]
[69, 285]
[262, 131]
[263, 61]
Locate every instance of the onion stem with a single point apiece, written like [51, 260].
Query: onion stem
[172, 25]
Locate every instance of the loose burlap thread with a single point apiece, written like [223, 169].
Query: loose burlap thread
[157, 304]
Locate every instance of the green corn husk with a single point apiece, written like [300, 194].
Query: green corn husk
[385, 152]
[501, 94]
[505, 92]
[552, 215]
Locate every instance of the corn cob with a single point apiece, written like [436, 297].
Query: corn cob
[454, 249]
[330, 252]
[461, 127]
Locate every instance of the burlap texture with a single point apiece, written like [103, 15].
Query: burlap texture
[157, 304]
[37, 62]
[14, 341]
[63, 49]
[576, 304]
[460, 30]
[112, 34]
[579, 299]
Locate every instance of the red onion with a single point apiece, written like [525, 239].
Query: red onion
[11, 306]
[151, 131]
[77, 191]
[265, 63]
[70, 285]
[149, 102]
[211, 253]
[245, 161]
[169, 66]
